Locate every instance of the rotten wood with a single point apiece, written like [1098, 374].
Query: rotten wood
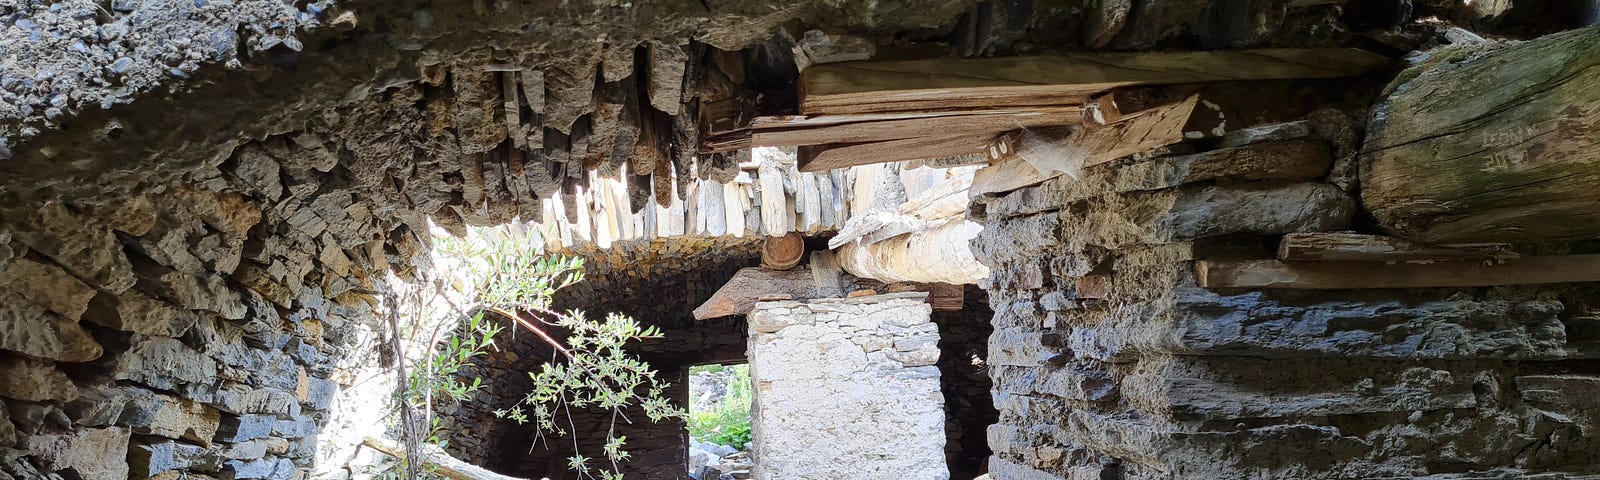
[1355, 247]
[1364, 275]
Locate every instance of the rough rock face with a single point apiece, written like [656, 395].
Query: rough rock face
[854, 374]
[1108, 361]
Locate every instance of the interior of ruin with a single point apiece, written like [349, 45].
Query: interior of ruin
[951, 239]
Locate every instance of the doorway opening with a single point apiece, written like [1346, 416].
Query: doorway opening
[720, 442]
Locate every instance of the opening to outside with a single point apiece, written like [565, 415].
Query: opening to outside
[719, 422]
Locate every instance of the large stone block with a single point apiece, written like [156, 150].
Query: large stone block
[89, 453]
[27, 328]
[49, 286]
[165, 363]
[239, 428]
[138, 313]
[174, 418]
[90, 251]
[34, 381]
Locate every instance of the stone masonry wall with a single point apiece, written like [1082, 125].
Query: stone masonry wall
[1108, 361]
[855, 375]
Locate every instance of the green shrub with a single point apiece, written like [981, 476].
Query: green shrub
[727, 422]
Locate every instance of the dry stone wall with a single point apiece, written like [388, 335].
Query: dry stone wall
[1108, 361]
[847, 388]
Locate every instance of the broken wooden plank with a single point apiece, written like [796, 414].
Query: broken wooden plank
[1055, 80]
[783, 253]
[818, 158]
[1362, 275]
[1355, 247]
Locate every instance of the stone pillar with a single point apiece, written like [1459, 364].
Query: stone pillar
[847, 388]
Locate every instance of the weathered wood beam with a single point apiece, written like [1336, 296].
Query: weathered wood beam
[1498, 146]
[1355, 247]
[818, 158]
[783, 253]
[1353, 275]
[963, 123]
[939, 254]
[748, 285]
[1134, 133]
[1054, 80]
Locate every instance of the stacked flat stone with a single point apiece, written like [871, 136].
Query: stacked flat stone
[1108, 362]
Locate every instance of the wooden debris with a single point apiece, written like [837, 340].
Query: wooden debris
[1054, 80]
[1355, 247]
[862, 293]
[1361, 275]
[783, 253]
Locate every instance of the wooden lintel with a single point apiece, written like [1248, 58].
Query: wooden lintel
[752, 285]
[978, 122]
[1362, 275]
[818, 158]
[1355, 247]
[857, 87]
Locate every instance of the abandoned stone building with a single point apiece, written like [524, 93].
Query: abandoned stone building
[952, 239]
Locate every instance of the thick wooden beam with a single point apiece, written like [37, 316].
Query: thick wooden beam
[1353, 275]
[748, 285]
[1355, 247]
[1496, 146]
[965, 123]
[819, 158]
[939, 254]
[783, 253]
[1054, 80]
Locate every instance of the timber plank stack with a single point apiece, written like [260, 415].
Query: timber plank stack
[869, 112]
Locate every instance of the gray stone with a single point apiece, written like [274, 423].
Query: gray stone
[90, 453]
[175, 418]
[269, 468]
[320, 393]
[293, 429]
[98, 406]
[165, 363]
[239, 428]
